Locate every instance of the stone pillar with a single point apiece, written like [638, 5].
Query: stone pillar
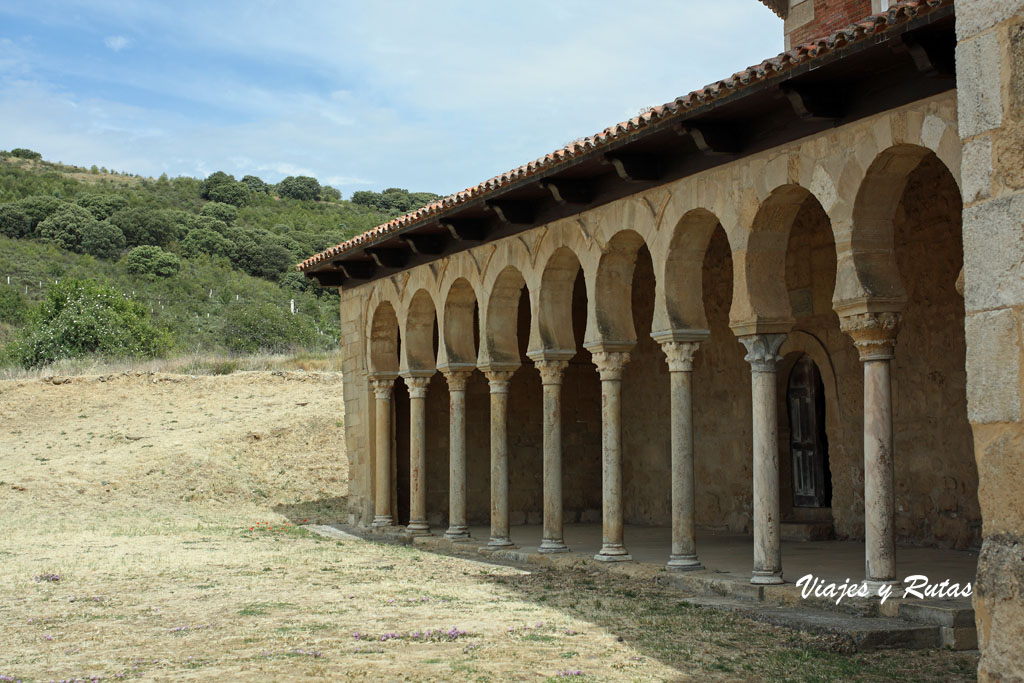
[679, 355]
[551, 370]
[458, 529]
[417, 384]
[499, 381]
[762, 354]
[383, 385]
[874, 335]
[611, 364]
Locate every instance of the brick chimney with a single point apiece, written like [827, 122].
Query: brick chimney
[807, 20]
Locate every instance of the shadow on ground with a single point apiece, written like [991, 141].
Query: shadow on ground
[322, 511]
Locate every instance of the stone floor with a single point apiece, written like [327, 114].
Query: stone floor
[732, 554]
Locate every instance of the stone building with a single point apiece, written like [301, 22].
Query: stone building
[787, 303]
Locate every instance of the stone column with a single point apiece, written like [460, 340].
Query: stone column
[611, 364]
[499, 381]
[762, 354]
[874, 335]
[679, 355]
[458, 529]
[551, 371]
[383, 386]
[417, 384]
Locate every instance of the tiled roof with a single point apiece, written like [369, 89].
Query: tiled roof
[901, 12]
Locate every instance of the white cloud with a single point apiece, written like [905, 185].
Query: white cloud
[117, 43]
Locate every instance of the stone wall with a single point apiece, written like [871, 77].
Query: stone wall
[990, 71]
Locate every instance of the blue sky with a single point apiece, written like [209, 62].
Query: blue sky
[429, 95]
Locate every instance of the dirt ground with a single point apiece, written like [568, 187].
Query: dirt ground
[151, 530]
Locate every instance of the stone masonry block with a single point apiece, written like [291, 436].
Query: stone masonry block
[976, 169]
[993, 367]
[993, 235]
[979, 86]
[974, 16]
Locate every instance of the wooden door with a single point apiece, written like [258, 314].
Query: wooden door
[808, 445]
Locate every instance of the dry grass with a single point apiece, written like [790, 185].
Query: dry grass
[168, 508]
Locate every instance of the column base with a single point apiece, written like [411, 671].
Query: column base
[500, 543]
[457, 534]
[613, 553]
[552, 546]
[765, 578]
[683, 563]
[418, 529]
[875, 584]
[382, 520]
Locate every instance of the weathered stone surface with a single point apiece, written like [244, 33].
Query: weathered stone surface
[978, 68]
[993, 392]
[978, 15]
[977, 169]
[994, 253]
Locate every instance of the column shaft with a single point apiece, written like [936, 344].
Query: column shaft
[500, 534]
[382, 499]
[610, 365]
[458, 529]
[417, 455]
[762, 354]
[551, 378]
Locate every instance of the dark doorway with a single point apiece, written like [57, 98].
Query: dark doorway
[808, 444]
[401, 472]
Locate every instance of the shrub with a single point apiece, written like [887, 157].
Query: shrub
[64, 228]
[220, 211]
[255, 184]
[102, 240]
[299, 187]
[152, 261]
[232, 193]
[13, 306]
[81, 317]
[266, 327]
[13, 221]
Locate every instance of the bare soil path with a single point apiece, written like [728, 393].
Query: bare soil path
[150, 530]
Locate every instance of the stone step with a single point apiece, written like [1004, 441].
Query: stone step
[863, 634]
[807, 531]
[955, 619]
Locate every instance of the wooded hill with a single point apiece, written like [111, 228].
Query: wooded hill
[207, 264]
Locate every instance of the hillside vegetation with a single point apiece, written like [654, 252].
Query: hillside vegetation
[208, 265]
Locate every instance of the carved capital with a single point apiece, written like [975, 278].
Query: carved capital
[610, 364]
[762, 350]
[382, 387]
[874, 334]
[679, 355]
[498, 380]
[551, 370]
[457, 379]
[417, 386]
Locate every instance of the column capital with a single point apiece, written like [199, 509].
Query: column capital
[679, 355]
[610, 364]
[457, 377]
[762, 350]
[498, 380]
[551, 370]
[417, 385]
[383, 385]
[873, 333]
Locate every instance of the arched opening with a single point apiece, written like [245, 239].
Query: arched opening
[811, 478]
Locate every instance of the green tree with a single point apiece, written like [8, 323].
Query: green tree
[152, 261]
[330, 194]
[204, 241]
[299, 187]
[38, 208]
[255, 184]
[145, 226]
[81, 317]
[213, 180]
[232, 193]
[13, 221]
[221, 211]
[23, 153]
[266, 327]
[102, 206]
[13, 306]
[64, 228]
[102, 239]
